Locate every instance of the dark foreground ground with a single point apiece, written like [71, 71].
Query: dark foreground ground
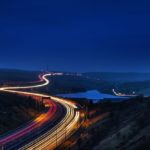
[113, 126]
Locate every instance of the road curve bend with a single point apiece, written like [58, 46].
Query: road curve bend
[56, 135]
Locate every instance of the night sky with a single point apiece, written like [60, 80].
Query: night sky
[75, 35]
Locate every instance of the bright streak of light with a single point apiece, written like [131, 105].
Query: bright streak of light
[61, 131]
[29, 87]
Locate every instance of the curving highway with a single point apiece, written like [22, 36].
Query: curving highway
[52, 129]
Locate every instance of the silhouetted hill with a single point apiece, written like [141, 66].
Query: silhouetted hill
[122, 77]
[12, 75]
[74, 83]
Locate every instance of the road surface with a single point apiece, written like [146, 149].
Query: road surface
[47, 131]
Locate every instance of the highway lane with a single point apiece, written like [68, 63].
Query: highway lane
[37, 132]
[62, 130]
[36, 123]
[58, 134]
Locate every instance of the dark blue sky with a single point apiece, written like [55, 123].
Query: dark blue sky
[75, 35]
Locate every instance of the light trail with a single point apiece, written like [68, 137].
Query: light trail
[29, 87]
[61, 131]
[122, 95]
[36, 123]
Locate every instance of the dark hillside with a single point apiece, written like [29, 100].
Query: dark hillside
[16, 110]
